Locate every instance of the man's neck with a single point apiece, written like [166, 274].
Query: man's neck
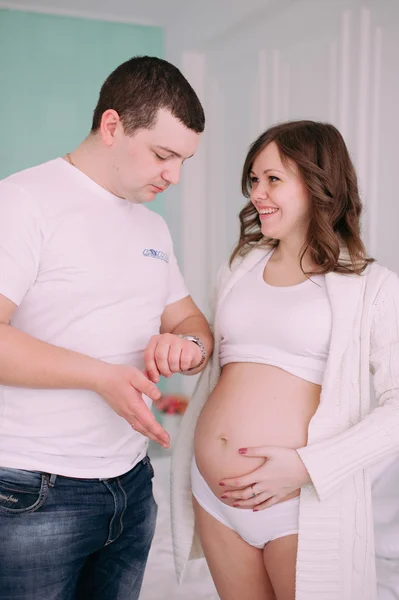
[90, 158]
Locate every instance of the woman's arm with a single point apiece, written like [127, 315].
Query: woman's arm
[331, 461]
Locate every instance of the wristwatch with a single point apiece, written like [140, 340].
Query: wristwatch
[196, 340]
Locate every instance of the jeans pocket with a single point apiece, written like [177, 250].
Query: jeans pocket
[22, 491]
[148, 464]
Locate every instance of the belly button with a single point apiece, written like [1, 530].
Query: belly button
[224, 439]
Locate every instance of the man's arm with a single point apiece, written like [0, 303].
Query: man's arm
[28, 362]
[167, 353]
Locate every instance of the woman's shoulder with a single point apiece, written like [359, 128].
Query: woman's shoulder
[249, 256]
[381, 274]
[383, 284]
[227, 268]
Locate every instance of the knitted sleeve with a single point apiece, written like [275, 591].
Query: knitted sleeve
[331, 461]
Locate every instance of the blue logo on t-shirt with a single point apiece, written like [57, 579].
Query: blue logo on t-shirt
[156, 254]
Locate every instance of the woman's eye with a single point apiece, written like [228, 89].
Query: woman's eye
[161, 157]
[253, 179]
[272, 178]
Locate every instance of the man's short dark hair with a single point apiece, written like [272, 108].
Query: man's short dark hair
[141, 86]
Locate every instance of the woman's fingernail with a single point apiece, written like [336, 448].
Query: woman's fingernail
[236, 505]
[221, 483]
[224, 497]
[242, 451]
[255, 510]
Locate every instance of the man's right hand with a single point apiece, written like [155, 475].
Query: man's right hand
[28, 362]
[122, 387]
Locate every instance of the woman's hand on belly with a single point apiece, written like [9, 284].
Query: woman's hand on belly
[279, 478]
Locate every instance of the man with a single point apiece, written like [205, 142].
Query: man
[92, 311]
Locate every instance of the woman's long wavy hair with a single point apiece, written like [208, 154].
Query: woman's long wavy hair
[324, 165]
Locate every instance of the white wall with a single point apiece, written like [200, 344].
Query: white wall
[319, 59]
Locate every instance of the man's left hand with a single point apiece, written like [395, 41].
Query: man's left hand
[167, 354]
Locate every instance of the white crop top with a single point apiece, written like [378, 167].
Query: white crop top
[287, 327]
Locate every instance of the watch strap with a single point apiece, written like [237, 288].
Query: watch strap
[196, 340]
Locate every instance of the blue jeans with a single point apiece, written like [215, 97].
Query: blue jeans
[75, 539]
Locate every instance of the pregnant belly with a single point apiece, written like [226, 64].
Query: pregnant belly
[252, 405]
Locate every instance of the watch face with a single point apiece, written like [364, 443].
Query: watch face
[190, 338]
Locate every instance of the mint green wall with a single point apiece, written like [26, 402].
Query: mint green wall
[51, 71]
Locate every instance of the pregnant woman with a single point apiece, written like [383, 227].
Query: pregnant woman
[272, 454]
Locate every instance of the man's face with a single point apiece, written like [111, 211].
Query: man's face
[146, 163]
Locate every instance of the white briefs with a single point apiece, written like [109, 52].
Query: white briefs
[255, 528]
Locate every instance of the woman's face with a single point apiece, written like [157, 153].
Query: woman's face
[279, 196]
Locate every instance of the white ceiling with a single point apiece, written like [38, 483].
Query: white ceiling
[215, 16]
[149, 12]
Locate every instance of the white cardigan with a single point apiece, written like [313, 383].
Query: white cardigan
[336, 543]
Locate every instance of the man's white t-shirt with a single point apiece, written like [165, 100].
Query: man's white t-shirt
[89, 272]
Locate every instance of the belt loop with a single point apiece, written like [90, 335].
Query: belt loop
[53, 479]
